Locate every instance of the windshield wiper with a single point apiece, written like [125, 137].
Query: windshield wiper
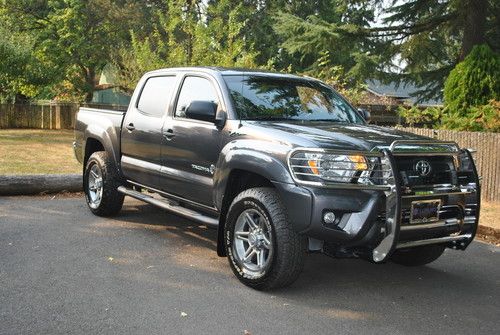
[269, 118]
[326, 120]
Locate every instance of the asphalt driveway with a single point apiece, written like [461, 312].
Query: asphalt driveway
[63, 270]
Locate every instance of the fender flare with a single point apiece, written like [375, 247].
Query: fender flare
[101, 135]
[234, 157]
[247, 155]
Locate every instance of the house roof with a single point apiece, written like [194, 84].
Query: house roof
[402, 91]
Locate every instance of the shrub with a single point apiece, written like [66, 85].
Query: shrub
[478, 118]
[417, 116]
[473, 82]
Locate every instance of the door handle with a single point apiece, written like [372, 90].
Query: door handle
[130, 127]
[168, 134]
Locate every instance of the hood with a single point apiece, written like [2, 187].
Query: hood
[341, 136]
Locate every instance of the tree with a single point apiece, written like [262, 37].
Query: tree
[474, 81]
[14, 59]
[141, 56]
[187, 33]
[62, 45]
[22, 73]
[429, 37]
[328, 43]
[72, 37]
[224, 32]
[328, 40]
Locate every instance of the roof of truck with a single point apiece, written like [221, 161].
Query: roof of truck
[228, 71]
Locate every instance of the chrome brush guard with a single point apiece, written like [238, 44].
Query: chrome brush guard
[468, 194]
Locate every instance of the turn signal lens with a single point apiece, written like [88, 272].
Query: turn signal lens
[314, 166]
[360, 162]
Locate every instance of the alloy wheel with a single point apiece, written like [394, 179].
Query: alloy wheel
[95, 186]
[252, 243]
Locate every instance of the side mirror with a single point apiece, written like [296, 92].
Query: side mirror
[201, 110]
[365, 114]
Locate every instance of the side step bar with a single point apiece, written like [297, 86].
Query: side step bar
[165, 204]
[437, 240]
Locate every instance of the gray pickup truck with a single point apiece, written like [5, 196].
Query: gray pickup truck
[280, 165]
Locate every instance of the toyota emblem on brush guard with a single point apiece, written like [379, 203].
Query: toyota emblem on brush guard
[423, 168]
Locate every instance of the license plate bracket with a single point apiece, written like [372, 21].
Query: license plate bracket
[425, 211]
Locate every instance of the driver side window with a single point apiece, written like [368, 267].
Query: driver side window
[194, 88]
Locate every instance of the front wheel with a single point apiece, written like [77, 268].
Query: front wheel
[100, 183]
[264, 251]
[417, 256]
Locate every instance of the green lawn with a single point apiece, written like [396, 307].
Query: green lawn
[30, 151]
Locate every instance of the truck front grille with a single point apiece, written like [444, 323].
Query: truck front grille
[426, 170]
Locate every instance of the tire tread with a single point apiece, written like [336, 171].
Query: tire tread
[112, 200]
[290, 246]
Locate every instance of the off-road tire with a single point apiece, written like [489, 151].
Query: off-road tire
[417, 256]
[111, 200]
[289, 248]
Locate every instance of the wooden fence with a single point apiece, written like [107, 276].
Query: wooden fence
[487, 157]
[44, 115]
[38, 116]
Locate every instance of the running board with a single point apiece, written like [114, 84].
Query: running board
[176, 209]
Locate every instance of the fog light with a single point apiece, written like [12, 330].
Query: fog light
[329, 217]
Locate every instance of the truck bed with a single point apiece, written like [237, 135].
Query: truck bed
[101, 124]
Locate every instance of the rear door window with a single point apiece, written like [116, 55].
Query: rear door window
[155, 95]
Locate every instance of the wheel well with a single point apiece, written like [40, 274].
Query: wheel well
[91, 146]
[238, 181]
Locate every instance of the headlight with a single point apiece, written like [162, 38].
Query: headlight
[337, 168]
[321, 167]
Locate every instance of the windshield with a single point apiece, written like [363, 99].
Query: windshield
[259, 97]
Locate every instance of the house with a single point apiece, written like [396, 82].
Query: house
[379, 93]
[107, 92]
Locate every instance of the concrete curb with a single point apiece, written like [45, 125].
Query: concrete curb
[43, 183]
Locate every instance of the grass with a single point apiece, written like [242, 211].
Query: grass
[33, 151]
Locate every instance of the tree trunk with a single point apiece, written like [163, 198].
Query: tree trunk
[90, 83]
[35, 184]
[474, 12]
[190, 28]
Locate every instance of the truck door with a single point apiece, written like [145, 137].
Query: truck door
[191, 147]
[141, 135]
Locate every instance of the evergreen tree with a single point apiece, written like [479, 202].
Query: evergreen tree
[430, 37]
[474, 81]
[329, 43]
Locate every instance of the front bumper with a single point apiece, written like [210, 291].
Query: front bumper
[376, 221]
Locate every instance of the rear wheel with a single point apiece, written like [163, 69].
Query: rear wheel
[264, 252]
[100, 184]
[418, 256]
